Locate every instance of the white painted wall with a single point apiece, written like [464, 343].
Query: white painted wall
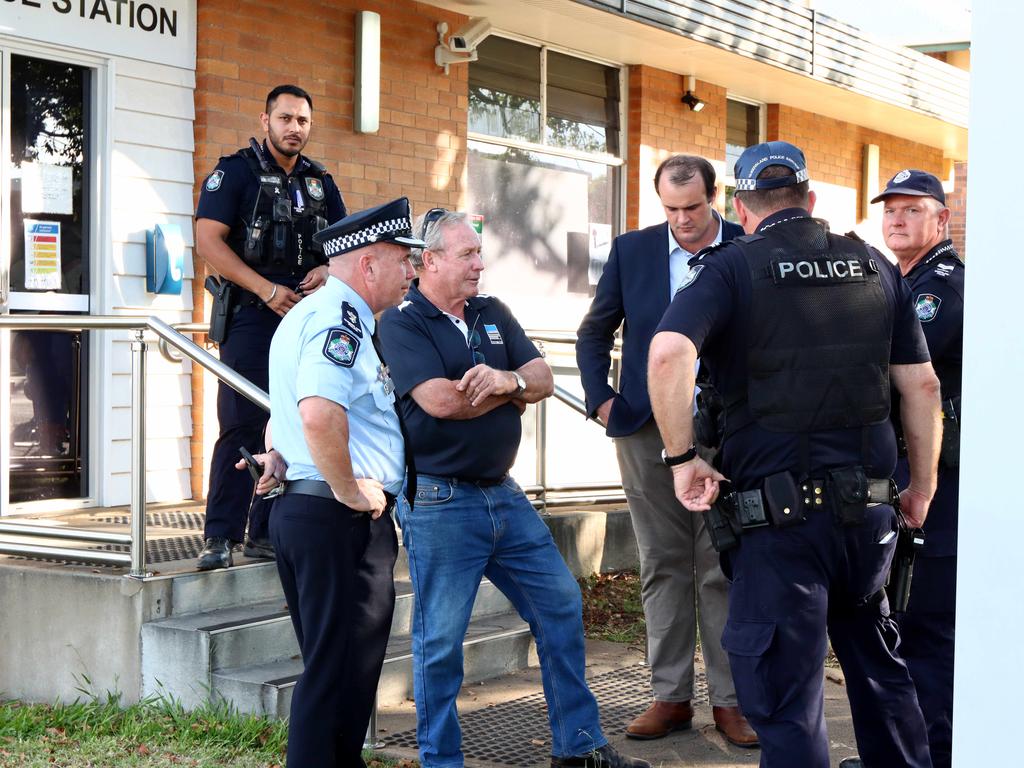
[990, 611]
[150, 183]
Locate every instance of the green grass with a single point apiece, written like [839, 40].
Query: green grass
[156, 733]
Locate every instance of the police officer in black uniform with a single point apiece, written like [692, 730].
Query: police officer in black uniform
[915, 226]
[257, 214]
[802, 332]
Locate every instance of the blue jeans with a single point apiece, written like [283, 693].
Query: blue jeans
[458, 533]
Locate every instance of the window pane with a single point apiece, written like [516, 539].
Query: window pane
[50, 175]
[504, 90]
[743, 129]
[583, 104]
[547, 228]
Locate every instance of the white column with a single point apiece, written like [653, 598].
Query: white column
[990, 586]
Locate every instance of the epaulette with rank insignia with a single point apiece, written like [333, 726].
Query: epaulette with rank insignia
[699, 255]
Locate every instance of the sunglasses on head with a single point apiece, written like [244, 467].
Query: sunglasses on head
[433, 215]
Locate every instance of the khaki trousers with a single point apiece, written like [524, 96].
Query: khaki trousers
[682, 584]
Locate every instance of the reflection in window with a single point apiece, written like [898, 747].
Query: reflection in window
[504, 90]
[583, 104]
[50, 170]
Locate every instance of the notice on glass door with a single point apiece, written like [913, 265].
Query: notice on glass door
[42, 255]
[46, 188]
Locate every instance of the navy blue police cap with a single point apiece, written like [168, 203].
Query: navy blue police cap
[387, 223]
[760, 156]
[913, 182]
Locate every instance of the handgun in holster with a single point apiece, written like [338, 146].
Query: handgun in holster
[949, 449]
[722, 520]
[224, 295]
[908, 542]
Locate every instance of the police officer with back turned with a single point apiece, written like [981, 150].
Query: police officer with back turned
[257, 214]
[802, 332]
[914, 224]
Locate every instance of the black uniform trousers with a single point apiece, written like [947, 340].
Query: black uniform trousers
[788, 587]
[230, 498]
[928, 626]
[336, 566]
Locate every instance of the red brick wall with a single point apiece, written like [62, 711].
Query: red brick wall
[661, 125]
[834, 149]
[957, 202]
[419, 151]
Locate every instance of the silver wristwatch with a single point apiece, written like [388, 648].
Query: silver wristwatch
[520, 384]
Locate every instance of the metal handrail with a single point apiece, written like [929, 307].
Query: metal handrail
[171, 338]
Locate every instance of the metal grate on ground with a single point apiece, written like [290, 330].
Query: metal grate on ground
[508, 733]
[171, 534]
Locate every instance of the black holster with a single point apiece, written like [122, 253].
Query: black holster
[949, 450]
[901, 573]
[847, 489]
[722, 521]
[225, 295]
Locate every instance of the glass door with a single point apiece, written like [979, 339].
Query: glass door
[46, 189]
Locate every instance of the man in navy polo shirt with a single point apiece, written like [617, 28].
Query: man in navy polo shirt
[465, 370]
[803, 331]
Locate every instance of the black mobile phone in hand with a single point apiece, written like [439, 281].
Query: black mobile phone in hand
[255, 468]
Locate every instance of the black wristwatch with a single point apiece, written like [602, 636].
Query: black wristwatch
[672, 461]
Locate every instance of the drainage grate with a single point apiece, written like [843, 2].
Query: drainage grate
[504, 734]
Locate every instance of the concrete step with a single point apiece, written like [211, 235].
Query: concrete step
[179, 654]
[495, 645]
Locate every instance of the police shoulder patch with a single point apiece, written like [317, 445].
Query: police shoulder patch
[341, 347]
[691, 277]
[214, 180]
[315, 188]
[927, 307]
[350, 319]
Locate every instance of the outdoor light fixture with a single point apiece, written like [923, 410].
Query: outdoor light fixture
[367, 80]
[690, 99]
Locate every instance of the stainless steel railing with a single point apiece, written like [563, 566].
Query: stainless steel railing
[175, 346]
[135, 559]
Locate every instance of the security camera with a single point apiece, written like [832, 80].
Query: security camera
[459, 48]
[469, 38]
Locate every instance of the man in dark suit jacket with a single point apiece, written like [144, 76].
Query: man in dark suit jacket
[682, 582]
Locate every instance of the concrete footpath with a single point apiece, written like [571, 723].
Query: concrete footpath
[504, 720]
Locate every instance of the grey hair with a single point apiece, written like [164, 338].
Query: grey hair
[434, 236]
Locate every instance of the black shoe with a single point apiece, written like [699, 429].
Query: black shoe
[602, 757]
[258, 548]
[851, 762]
[216, 554]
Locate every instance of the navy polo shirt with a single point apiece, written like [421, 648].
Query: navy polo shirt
[233, 197]
[713, 311]
[420, 343]
[937, 290]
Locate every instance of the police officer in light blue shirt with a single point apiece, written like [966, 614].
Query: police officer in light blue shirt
[335, 425]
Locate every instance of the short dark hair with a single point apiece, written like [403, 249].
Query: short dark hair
[762, 201]
[290, 90]
[682, 168]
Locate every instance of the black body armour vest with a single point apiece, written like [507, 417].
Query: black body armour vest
[819, 335]
[278, 237]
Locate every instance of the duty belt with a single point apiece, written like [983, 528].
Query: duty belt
[321, 489]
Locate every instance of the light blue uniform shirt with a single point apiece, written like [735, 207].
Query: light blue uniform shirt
[322, 348]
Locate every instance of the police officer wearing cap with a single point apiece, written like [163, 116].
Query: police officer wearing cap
[915, 226]
[335, 426]
[255, 222]
[803, 331]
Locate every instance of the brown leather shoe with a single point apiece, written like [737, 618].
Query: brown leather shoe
[660, 719]
[731, 722]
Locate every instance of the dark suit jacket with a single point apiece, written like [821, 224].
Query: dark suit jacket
[634, 292]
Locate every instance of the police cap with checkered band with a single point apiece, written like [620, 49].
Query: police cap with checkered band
[760, 156]
[387, 223]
